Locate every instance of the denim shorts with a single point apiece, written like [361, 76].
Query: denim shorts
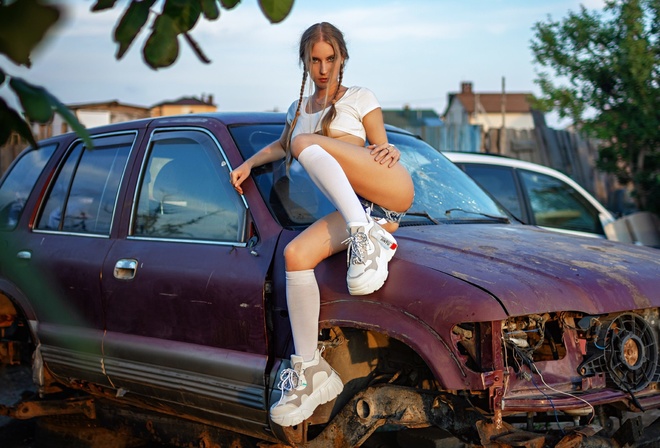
[378, 212]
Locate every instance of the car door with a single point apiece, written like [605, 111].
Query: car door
[183, 295]
[63, 256]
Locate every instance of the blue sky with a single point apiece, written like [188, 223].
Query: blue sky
[409, 52]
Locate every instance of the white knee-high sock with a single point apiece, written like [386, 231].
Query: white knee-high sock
[304, 302]
[328, 175]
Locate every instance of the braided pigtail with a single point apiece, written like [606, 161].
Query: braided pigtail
[332, 111]
[287, 143]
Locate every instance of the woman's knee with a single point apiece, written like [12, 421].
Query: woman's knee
[300, 142]
[294, 257]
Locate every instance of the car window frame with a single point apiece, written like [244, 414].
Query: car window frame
[153, 136]
[584, 201]
[56, 173]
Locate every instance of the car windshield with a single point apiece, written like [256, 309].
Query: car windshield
[443, 193]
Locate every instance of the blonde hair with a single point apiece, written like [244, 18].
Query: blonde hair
[319, 32]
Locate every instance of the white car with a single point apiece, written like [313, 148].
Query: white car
[542, 196]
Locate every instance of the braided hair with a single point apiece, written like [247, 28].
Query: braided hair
[319, 32]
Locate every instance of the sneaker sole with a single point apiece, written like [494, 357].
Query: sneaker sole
[326, 392]
[378, 281]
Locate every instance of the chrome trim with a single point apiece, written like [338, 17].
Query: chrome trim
[24, 255]
[174, 240]
[57, 232]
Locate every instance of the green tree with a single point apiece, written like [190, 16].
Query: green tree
[25, 23]
[602, 70]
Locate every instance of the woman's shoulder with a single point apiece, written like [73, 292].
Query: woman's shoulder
[358, 90]
[361, 98]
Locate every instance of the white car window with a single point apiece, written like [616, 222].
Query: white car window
[556, 204]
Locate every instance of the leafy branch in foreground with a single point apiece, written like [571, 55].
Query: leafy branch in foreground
[25, 23]
[176, 18]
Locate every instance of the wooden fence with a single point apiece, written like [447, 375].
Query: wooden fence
[565, 151]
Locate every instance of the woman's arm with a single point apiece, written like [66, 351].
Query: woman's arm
[271, 153]
[374, 126]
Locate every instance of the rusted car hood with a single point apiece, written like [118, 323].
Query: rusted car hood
[531, 270]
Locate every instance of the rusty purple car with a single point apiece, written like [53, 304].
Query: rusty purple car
[139, 286]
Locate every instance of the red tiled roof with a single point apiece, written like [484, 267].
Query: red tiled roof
[490, 102]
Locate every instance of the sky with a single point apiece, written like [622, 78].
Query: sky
[408, 52]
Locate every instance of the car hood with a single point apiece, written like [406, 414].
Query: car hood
[530, 270]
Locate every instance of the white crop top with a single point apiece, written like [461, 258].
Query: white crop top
[351, 109]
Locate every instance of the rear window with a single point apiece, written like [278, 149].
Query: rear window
[19, 182]
[83, 195]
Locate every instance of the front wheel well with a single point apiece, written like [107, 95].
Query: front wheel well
[16, 344]
[364, 358]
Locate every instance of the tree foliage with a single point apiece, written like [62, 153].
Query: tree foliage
[25, 23]
[602, 70]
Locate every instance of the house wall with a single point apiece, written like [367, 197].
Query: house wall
[175, 109]
[93, 118]
[512, 121]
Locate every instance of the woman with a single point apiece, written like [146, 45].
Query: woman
[326, 132]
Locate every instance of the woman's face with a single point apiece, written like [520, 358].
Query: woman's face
[324, 70]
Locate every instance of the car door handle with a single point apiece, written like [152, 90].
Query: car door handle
[125, 269]
[24, 255]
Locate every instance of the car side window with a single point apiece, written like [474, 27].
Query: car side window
[556, 204]
[499, 181]
[84, 193]
[19, 182]
[185, 193]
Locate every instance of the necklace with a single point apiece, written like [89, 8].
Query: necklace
[320, 102]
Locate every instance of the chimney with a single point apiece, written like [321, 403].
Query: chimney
[466, 87]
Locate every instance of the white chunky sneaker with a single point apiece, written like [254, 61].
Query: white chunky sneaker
[304, 387]
[370, 248]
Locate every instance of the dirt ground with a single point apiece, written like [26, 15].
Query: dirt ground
[15, 382]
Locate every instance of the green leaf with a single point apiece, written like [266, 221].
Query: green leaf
[184, 14]
[162, 47]
[34, 100]
[229, 4]
[23, 24]
[276, 10]
[71, 119]
[10, 121]
[100, 5]
[210, 9]
[131, 24]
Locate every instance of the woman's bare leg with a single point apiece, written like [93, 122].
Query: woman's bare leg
[391, 188]
[301, 256]
[317, 242]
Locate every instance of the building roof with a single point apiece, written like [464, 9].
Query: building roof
[491, 102]
[407, 117]
[112, 104]
[188, 101]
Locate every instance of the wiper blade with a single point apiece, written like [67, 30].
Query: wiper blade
[495, 217]
[424, 214]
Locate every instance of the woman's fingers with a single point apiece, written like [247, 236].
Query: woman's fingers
[386, 153]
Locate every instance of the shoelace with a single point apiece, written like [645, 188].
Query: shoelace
[357, 248]
[289, 379]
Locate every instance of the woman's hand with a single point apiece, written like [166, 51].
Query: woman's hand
[385, 153]
[237, 176]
